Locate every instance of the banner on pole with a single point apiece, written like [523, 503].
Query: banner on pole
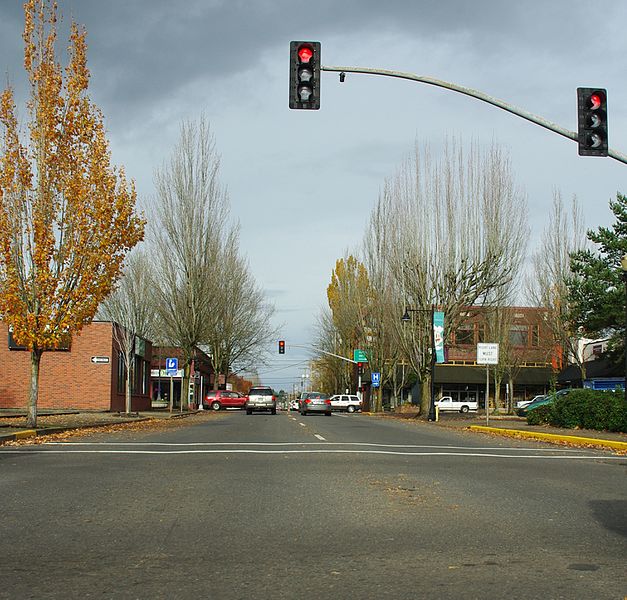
[438, 336]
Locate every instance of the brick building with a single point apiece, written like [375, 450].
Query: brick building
[161, 385]
[526, 346]
[88, 375]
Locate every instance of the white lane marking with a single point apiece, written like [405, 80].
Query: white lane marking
[311, 451]
[367, 444]
[319, 437]
[302, 425]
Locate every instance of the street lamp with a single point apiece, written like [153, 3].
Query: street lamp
[623, 266]
[405, 319]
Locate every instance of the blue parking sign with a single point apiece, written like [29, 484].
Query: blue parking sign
[375, 378]
[171, 366]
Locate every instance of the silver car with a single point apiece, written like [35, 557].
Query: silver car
[261, 398]
[314, 402]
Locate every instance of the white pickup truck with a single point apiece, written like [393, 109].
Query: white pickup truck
[446, 403]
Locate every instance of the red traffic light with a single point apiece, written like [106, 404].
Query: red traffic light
[595, 101]
[305, 53]
[305, 75]
[592, 130]
[281, 347]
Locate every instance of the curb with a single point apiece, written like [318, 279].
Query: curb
[551, 437]
[28, 433]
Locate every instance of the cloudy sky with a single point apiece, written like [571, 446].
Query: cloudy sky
[302, 183]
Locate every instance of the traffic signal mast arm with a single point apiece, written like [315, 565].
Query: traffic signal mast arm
[475, 94]
[350, 360]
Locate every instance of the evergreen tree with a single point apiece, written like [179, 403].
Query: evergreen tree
[597, 289]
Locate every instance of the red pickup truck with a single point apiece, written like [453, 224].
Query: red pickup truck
[217, 399]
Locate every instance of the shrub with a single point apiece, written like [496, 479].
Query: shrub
[540, 415]
[588, 409]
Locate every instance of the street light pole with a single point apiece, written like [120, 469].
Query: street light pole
[405, 318]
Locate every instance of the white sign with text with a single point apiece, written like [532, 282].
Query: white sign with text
[487, 354]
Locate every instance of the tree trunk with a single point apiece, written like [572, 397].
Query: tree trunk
[35, 359]
[498, 379]
[128, 390]
[510, 396]
[425, 396]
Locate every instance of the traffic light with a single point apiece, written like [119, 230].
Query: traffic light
[305, 75]
[592, 121]
[281, 347]
[360, 368]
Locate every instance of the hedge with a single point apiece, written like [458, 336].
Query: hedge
[585, 409]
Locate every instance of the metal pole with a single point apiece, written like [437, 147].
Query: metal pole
[625, 348]
[519, 112]
[487, 395]
[432, 399]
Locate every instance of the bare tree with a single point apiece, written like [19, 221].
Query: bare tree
[240, 324]
[457, 232]
[188, 235]
[550, 270]
[206, 295]
[385, 304]
[131, 310]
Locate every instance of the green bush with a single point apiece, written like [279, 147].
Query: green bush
[540, 415]
[586, 409]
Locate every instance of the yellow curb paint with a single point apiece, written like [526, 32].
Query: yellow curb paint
[25, 434]
[551, 437]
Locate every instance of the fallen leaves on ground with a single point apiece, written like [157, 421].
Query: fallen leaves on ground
[88, 426]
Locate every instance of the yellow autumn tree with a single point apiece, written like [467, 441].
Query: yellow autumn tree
[67, 216]
[349, 298]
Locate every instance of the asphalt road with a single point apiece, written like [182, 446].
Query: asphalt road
[232, 506]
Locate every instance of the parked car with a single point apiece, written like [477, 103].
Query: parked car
[314, 402]
[446, 403]
[219, 399]
[261, 398]
[548, 399]
[524, 403]
[345, 402]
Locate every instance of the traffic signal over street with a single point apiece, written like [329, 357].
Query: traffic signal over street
[281, 346]
[305, 75]
[592, 121]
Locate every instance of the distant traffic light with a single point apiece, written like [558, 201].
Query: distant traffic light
[281, 347]
[305, 75]
[360, 368]
[592, 121]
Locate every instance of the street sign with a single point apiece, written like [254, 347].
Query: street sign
[375, 378]
[359, 356]
[487, 354]
[100, 360]
[171, 366]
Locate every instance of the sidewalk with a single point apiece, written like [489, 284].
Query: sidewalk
[13, 422]
[511, 426]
